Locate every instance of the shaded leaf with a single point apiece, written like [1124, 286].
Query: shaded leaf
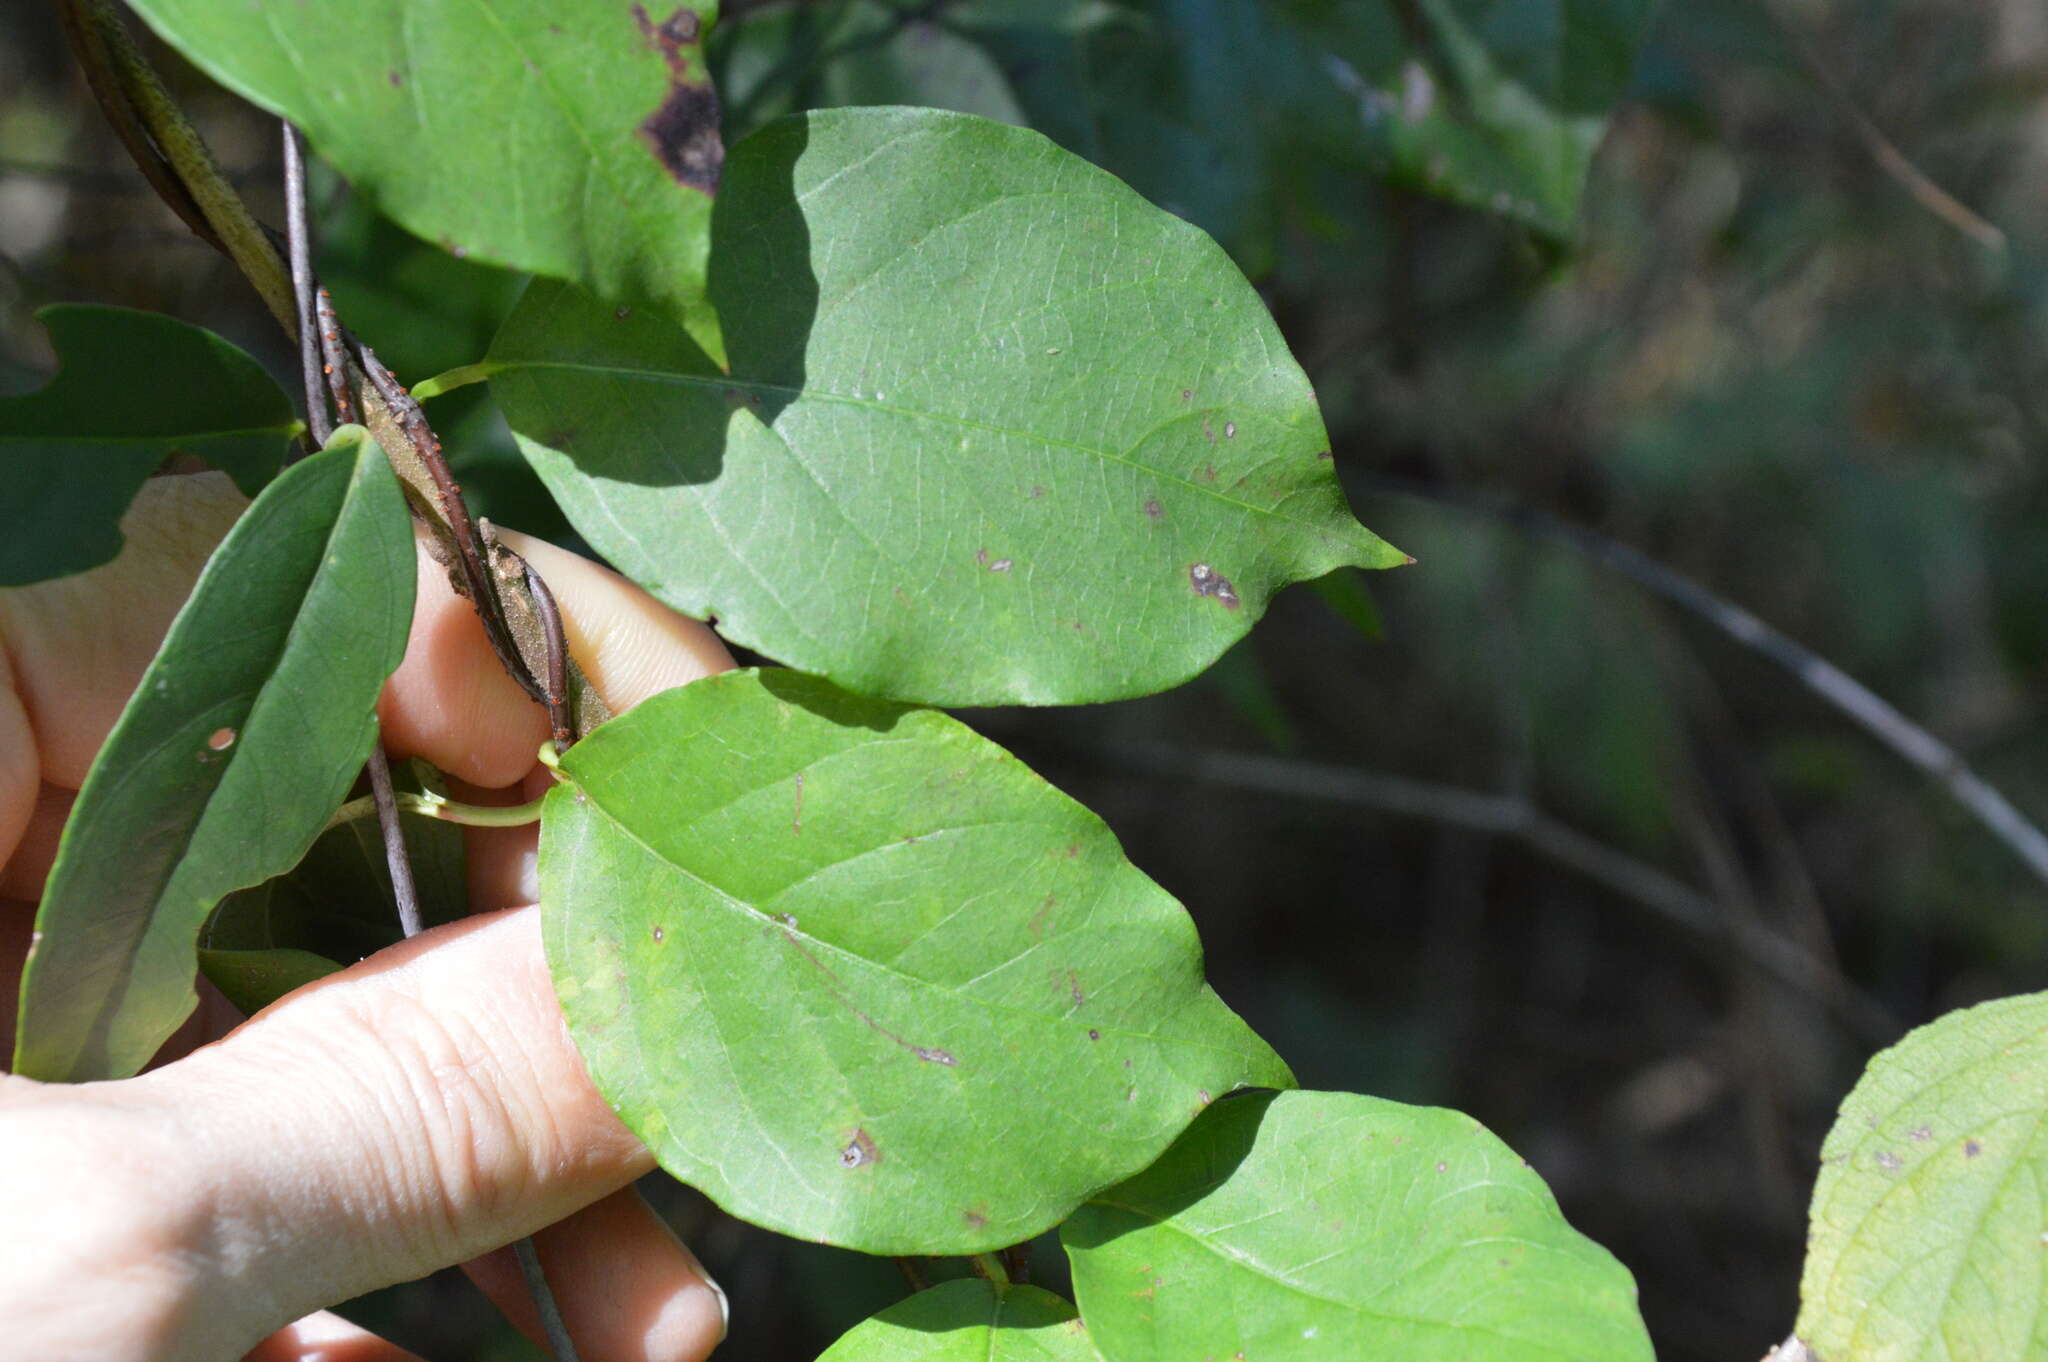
[1328, 1225]
[243, 736]
[253, 980]
[334, 906]
[996, 430]
[132, 389]
[861, 977]
[969, 1321]
[1929, 1227]
[575, 138]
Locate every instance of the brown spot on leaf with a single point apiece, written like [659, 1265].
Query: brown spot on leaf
[860, 1151]
[1094, 1034]
[1971, 1149]
[1208, 431]
[682, 132]
[395, 79]
[220, 740]
[1207, 581]
[1208, 473]
[1153, 509]
[932, 1054]
[1037, 924]
[1325, 454]
[658, 933]
[976, 1216]
[1890, 1162]
[1187, 394]
[796, 822]
[1037, 492]
[1921, 1133]
[622, 313]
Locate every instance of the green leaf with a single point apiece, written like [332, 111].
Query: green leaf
[1328, 1225]
[996, 430]
[575, 138]
[1929, 1228]
[334, 906]
[243, 736]
[969, 1321]
[863, 978]
[253, 980]
[1504, 107]
[132, 389]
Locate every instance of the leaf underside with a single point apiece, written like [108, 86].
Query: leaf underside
[244, 734]
[1329, 1225]
[996, 430]
[1929, 1226]
[862, 977]
[132, 389]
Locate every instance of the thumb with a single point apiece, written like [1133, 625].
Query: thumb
[417, 1110]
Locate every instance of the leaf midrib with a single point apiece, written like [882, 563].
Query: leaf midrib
[723, 382]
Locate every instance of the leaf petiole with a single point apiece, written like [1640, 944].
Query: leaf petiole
[447, 810]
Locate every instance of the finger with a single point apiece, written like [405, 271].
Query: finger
[20, 767]
[629, 1291]
[35, 849]
[325, 1337]
[415, 1110]
[629, 644]
[452, 702]
[79, 644]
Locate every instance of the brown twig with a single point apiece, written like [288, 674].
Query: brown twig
[556, 680]
[1893, 162]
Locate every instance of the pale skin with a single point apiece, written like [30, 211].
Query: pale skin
[422, 1108]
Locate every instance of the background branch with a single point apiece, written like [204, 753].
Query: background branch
[1877, 716]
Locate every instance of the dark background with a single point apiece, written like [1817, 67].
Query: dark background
[1761, 358]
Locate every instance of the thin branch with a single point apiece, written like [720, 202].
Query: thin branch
[402, 888]
[1914, 744]
[84, 25]
[1517, 820]
[319, 422]
[140, 97]
[1915, 181]
[551, 1324]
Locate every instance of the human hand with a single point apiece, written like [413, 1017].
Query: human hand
[422, 1108]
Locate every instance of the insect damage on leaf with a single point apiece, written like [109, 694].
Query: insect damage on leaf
[683, 131]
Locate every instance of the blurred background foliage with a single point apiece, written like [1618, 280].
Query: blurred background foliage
[1678, 276]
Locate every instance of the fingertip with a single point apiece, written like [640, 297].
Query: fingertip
[327, 1337]
[627, 1288]
[628, 643]
[451, 701]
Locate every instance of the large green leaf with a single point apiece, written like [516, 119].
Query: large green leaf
[576, 138]
[863, 978]
[243, 736]
[132, 388]
[1929, 1233]
[996, 429]
[1328, 1225]
[969, 1321]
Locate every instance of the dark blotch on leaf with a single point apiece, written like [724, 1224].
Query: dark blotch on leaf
[1207, 581]
[975, 1216]
[1971, 1149]
[1890, 1162]
[658, 933]
[1153, 509]
[683, 132]
[1094, 1034]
